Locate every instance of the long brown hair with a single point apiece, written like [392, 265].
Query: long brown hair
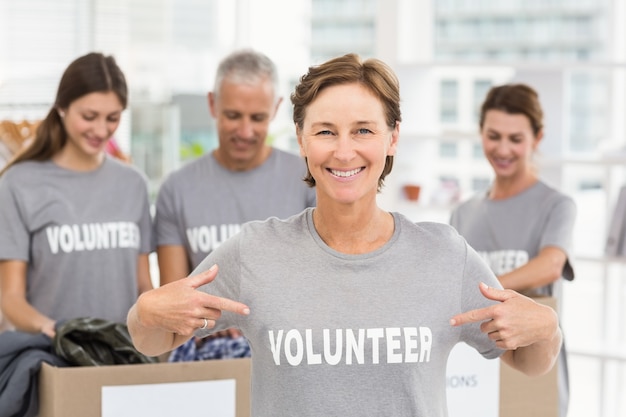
[87, 74]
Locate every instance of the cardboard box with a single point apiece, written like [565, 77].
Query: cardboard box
[522, 395]
[78, 391]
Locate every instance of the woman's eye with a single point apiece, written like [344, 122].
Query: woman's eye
[324, 132]
[363, 131]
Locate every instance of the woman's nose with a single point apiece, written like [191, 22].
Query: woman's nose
[345, 147]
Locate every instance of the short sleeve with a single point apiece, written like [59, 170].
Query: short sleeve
[14, 234]
[559, 229]
[226, 284]
[167, 229]
[146, 225]
[475, 272]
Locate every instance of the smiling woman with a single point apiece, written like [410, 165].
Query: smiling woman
[520, 225]
[342, 139]
[308, 313]
[74, 243]
[83, 82]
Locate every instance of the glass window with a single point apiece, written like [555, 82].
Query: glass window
[449, 101]
[481, 87]
[477, 151]
[448, 149]
[589, 115]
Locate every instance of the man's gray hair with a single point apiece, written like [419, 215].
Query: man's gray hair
[246, 66]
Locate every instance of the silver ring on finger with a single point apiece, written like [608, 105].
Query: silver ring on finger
[206, 323]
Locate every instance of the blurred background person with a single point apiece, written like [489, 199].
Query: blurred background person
[521, 226]
[13, 137]
[205, 202]
[76, 226]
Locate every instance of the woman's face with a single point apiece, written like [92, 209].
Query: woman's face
[509, 143]
[346, 141]
[90, 121]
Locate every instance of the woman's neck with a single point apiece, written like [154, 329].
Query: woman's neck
[70, 160]
[351, 230]
[508, 187]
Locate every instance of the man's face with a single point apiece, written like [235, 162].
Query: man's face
[243, 112]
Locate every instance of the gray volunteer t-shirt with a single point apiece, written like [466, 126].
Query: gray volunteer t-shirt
[350, 335]
[81, 234]
[508, 233]
[202, 204]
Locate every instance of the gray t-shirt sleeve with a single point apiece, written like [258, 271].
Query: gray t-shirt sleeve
[476, 271]
[145, 225]
[167, 231]
[14, 237]
[558, 231]
[226, 283]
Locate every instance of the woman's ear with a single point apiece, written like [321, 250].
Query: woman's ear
[538, 138]
[393, 139]
[300, 141]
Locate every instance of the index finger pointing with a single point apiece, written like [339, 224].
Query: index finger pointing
[226, 304]
[472, 316]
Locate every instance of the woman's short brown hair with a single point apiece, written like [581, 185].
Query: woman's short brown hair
[373, 74]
